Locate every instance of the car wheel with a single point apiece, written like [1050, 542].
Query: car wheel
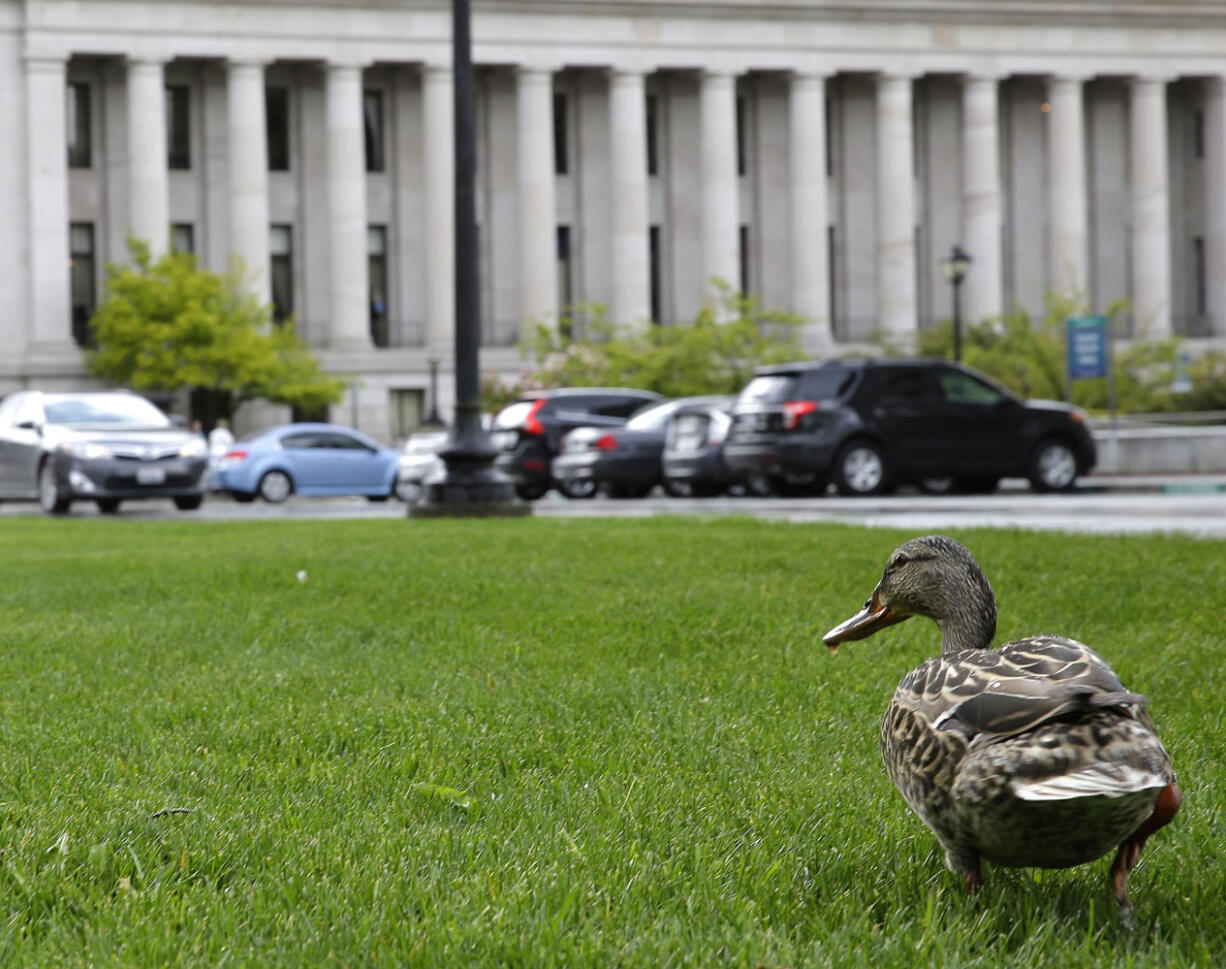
[409, 491]
[860, 469]
[579, 488]
[51, 499]
[188, 502]
[1053, 466]
[678, 487]
[531, 492]
[938, 485]
[108, 506]
[275, 487]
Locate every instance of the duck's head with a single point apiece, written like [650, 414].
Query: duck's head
[932, 576]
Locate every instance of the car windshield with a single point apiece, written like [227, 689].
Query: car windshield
[513, 414]
[652, 416]
[104, 410]
[771, 388]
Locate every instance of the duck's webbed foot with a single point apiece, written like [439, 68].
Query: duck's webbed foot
[973, 879]
[1165, 808]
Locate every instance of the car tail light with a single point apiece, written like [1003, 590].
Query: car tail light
[795, 410]
[606, 442]
[235, 455]
[531, 424]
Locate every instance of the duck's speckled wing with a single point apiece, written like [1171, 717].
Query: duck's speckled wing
[986, 694]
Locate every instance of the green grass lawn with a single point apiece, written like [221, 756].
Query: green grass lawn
[545, 742]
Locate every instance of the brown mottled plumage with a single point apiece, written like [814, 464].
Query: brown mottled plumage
[1032, 754]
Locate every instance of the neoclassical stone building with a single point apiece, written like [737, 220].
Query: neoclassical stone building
[822, 154]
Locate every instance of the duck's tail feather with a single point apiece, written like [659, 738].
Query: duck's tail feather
[1104, 779]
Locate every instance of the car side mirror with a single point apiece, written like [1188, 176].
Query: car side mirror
[30, 426]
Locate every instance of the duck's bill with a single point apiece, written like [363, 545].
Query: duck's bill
[863, 624]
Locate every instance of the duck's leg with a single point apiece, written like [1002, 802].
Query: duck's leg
[973, 880]
[1165, 808]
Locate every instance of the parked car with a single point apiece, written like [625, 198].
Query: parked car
[623, 461]
[419, 458]
[308, 459]
[529, 431]
[103, 446]
[870, 424]
[692, 464]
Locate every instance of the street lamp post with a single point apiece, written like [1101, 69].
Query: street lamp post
[955, 267]
[433, 419]
[469, 484]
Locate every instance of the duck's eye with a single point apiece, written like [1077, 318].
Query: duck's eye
[899, 560]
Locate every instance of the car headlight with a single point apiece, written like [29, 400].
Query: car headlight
[193, 448]
[87, 450]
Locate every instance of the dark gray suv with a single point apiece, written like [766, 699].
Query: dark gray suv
[869, 424]
[104, 446]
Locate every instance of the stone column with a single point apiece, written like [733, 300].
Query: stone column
[631, 291]
[148, 178]
[249, 224]
[349, 325]
[438, 146]
[1151, 210]
[1068, 215]
[538, 221]
[721, 236]
[1215, 204]
[896, 283]
[983, 288]
[807, 172]
[50, 332]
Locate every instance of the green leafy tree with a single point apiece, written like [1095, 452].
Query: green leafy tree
[704, 356]
[168, 325]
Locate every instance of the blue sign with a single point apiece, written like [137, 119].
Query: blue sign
[1087, 347]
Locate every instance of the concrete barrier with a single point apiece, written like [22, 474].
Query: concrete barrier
[1157, 450]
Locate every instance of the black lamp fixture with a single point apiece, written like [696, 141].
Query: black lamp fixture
[955, 267]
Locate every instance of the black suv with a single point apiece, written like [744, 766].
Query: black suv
[529, 432]
[870, 424]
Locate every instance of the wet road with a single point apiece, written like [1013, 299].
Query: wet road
[1191, 505]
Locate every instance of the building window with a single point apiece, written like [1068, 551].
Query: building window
[829, 140]
[276, 120]
[376, 249]
[565, 293]
[1198, 134]
[832, 262]
[407, 407]
[740, 135]
[744, 246]
[1198, 255]
[182, 237]
[653, 258]
[561, 156]
[81, 268]
[281, 267]
[372, 118]
[80, 126]
[653, 121]
[178, 127]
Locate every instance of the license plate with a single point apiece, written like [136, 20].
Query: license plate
[689, 442]
[503, 440]
[150, 476]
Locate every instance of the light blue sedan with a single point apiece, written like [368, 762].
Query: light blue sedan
[307, 459]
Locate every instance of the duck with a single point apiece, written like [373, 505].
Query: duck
[1031, 754]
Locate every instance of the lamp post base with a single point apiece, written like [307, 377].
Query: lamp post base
[469, 486]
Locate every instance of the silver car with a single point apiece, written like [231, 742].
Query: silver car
[104, 446]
